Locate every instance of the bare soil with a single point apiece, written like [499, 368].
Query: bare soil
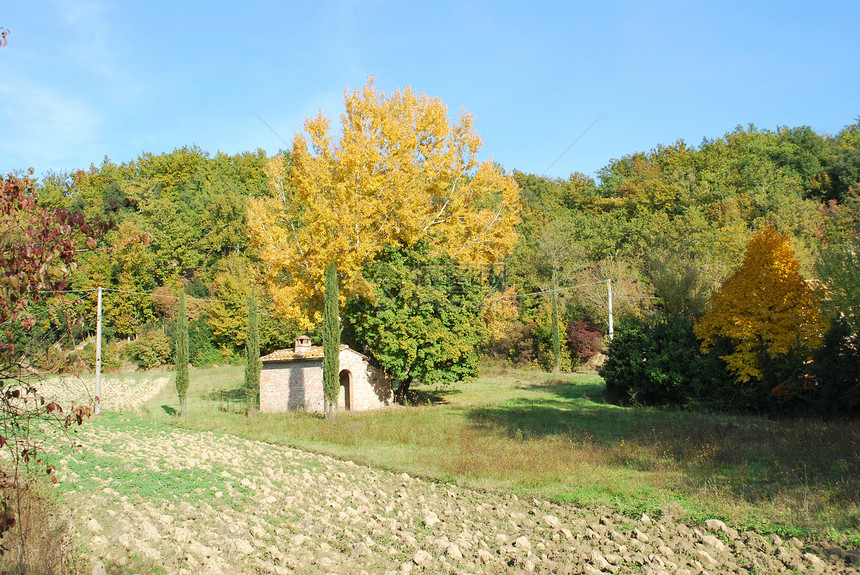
[149, 498]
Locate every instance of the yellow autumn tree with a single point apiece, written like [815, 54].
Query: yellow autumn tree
[501, 312]
[398, 172]
[764, 307]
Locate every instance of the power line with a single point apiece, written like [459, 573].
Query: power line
[165, 295]
[552, 290]
[90, 291]
[271, 128]
[575, 141]
[45, 312]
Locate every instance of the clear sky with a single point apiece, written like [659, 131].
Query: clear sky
[81, 80]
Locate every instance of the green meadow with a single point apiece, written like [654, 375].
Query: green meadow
[553, 436]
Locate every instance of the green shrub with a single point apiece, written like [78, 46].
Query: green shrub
[150, 350]
[111, 357]
[201, 349]
[653, 364]
[836, 372]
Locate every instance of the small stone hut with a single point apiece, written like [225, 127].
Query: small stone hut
[292, 379]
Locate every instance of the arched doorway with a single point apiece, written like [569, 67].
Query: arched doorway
[345, 395]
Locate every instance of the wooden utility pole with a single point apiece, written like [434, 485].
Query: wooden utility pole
[98, 399]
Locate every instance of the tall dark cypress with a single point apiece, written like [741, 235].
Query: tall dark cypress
[331, 341]
[556, 336]
[181, 355]
[252, 358]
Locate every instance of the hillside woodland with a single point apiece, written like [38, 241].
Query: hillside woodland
[733, 266]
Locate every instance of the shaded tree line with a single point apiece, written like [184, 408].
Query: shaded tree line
[668, 227]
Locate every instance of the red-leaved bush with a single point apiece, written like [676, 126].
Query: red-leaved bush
[584, 339]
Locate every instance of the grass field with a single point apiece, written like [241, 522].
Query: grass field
[550, 436]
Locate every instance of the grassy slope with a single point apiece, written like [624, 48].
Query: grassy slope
[542, 435]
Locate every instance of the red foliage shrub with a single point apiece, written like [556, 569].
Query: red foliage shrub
[584, 339]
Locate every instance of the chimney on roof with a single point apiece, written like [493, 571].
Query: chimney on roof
[302, 342]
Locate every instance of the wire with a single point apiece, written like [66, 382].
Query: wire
[93, 290]
[164, 295]
[575, 141]
[271, 128]
[47, 311]
[552, 290]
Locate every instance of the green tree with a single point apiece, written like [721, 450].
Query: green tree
[561, 258]
[230, 288]
[765, 309]
[399, 172]
[556, 336]
[683, 279]
[653, 363]
[331, 341]
[181, 355]
[423, 320]
[252, 358]
[129, 267]
[839, 261]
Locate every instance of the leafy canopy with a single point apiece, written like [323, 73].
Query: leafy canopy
[400, 172]
[425, 324]
[839, 261]
[765, 307]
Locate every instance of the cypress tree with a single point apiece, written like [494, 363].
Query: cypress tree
[331, 341]
[181, 354]
[252, 358]
[556, 337]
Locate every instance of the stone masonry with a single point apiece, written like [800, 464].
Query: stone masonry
[292, 379]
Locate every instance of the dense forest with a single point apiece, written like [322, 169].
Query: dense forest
[673, 229]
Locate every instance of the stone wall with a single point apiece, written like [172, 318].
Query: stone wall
[369, 387]
[291, 386]
[298, 385]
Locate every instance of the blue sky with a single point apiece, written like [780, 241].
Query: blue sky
[81, 80]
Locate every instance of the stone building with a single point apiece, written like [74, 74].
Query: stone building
[292, 379]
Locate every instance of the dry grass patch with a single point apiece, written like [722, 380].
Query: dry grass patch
[555, 437]
[38, 541]
[127, 392]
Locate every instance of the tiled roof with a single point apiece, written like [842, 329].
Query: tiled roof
[312, 352]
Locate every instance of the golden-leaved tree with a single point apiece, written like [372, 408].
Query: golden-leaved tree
[765, 307]
[399, 172]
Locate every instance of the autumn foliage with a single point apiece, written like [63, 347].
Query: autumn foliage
[399, 173]
[37, 252]
[37, 255]
[765, 309]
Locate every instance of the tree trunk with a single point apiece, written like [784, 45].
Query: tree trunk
[402, 390]
[329, 408]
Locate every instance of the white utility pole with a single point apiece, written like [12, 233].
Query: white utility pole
[609, 295]
[97, 403]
